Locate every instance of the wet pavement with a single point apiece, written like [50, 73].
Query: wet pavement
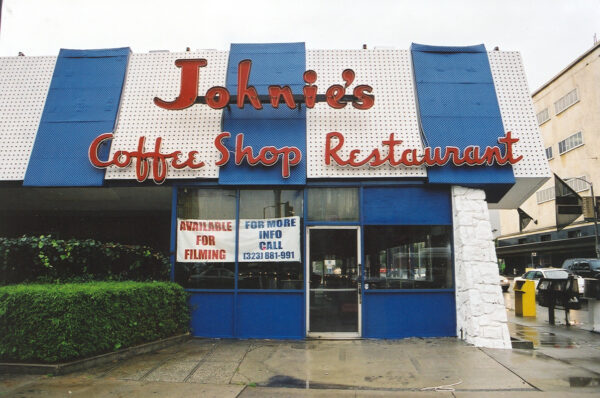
[565, 362]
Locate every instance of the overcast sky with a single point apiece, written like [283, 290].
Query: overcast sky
[548, 33]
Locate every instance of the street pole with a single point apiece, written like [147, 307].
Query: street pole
[595, 219]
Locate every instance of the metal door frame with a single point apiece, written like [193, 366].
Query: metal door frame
[307, 270]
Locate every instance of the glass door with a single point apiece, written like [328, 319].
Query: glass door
[333, 279]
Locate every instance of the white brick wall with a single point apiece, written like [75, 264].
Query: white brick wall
[480, 313]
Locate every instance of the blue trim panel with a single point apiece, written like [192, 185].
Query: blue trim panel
[458, 107]
[272, 64]
[403, 314]
[211, 314]
[173, 242]
[82, 103]
[270, 315]
[407, 206]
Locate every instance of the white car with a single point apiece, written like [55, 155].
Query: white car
[504, 283]
[553, 273]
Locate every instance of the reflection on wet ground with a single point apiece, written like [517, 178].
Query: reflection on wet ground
[539, 337]
[584, 381]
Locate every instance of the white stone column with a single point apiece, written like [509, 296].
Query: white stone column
[480, 313]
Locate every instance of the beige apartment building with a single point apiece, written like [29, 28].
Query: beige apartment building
[568, 113]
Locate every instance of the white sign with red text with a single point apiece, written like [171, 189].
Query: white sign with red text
[211, 241]
[270, 240]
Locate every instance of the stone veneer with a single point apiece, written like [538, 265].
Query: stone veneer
[480, 313]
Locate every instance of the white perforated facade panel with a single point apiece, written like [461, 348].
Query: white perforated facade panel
[192, 129]
[518, 116]
[389, 72]
[24, 84]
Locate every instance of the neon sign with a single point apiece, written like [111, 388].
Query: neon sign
[219, 97]
[155, 164]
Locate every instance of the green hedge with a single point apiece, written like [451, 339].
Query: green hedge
[58, 323]
[46, 260]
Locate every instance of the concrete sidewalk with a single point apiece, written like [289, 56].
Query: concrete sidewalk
[356, 368]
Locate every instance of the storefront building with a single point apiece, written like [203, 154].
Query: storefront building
[312, 193]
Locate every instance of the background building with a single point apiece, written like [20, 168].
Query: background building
[567, 109]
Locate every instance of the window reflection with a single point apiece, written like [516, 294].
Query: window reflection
[269, 204]
[333, 204]
[206, 204]
[408, 257]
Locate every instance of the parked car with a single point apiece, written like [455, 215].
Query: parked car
[504, 283]
[553, 273]
[584, 267]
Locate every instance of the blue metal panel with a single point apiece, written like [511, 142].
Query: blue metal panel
[407, 206]
[82, 103]
[272, 64]
[458, 107]
[173, 243]
[409, 314]
[211, 314]
[270, 315]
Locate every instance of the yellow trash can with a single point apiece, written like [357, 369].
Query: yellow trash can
[524, 298]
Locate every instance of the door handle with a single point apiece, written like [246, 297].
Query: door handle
[359, 283]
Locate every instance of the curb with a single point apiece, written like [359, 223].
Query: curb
[521, 344]
[86, 363]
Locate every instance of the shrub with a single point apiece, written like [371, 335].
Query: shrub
[57, 323]
[45, 259]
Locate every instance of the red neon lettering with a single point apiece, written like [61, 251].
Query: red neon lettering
[310, 91]
[190, 74]
[470, 156]
[217, 97]
[243, 90]
[267, 156]
[333, 95]
[156, 161]
[222, 148]
[508, 142]
[93, 150]
[276, 92]
[363, 100]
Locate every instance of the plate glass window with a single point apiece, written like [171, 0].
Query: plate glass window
[206, 204]
[408, 257]
[285, 273]
[333, 204]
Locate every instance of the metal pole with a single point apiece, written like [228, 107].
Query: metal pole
[595, 220]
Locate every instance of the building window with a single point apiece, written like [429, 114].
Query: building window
[545, 195]
[408, 257]
[209, 205]
[574, 234]
[549, 154]
[572, 142]
[577, 184]
[522, 241]
[333, 204]
[545, 238]
[543, 116]
[566, 101]
[260, 246]
[269, 204]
